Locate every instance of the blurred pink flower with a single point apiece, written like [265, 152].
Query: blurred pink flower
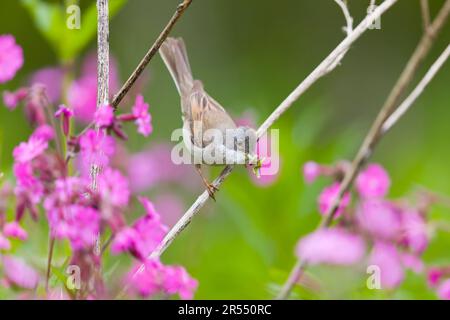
[12, 99]
[14, 230]
[152, 277]
[147, 232]
[444, 290]
[104, 116]
[414, 231]
[44, 132]
[327, 197]
[386, 257]
[27, 151]
[19, 273]
[11, 57]
[177, 280]
[170, 207]
[142, 116]
[311, 170]
[413, 262]
[331, 246]
[95, 148]
[379, 218]
[154, 166]
[4, 243]
[373, 182]
[113, 188]
[434, 276]
[52, 79]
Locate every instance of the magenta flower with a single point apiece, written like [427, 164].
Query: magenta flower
[104, 116]
[311, 170]
[142, 116]
[11, 57]
[4, 243]
[144, 236]
[12, 99]
[44, 132]
[327, 197]
[373, 182]
[113, 188]
[177, 280]
[96, 148]
[444, 290]
[386, 257]
[14, 230]
[52, 79]
[65, 113]
[19, 273]
[379, 218]
[27, 151]
[331, 246]
[414, 231]
[413, 262]
[434, 276]
[82, 96]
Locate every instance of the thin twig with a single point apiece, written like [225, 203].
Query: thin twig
[51, 246]
[425, 10]
[373, 135]
[407, 103]
[149, 55]
[317, 73]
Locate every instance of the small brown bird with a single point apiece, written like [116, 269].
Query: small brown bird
[204, 119]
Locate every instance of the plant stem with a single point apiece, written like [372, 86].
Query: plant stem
[51, 246]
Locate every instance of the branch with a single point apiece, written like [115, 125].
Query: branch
[150, 53]
[102, 69]
[372, 137]
[317, 73]
[425, 10]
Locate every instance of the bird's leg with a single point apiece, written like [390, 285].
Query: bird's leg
[209, 187]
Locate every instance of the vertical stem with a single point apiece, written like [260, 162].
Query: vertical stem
[51, 245]
[102, 68]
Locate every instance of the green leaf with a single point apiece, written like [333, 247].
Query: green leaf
[50, 19]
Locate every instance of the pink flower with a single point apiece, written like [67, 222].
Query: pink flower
[311, 170]
[12, 99]
[147, 232]
[413, 262]
[79, 224]
[327, 197]
[52, 79]
[27, 151]
[65, 113]
[434, 276]
[14, 230]
[385, 256]
[414, 231]
[4, 243]
[444, 290]
[104, 116]
[19, 273]
[146, 279]
[82, 96]
[96, 148]
[142, 116]
[379, 218]
[44, 132]
[331, 246]
[373, 182]
[113, 188]
[170, 206]
[177, 280]
[152, 277]
[11, 57]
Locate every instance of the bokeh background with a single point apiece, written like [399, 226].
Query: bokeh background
[250, 55]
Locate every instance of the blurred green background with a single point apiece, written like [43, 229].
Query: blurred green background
[250, 55]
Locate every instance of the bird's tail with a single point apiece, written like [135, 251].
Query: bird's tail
[173, 53]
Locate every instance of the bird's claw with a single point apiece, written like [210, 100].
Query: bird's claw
[211, 190]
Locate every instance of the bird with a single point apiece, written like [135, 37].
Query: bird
[205, 121]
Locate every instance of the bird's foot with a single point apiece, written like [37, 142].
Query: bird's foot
[211, 190]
